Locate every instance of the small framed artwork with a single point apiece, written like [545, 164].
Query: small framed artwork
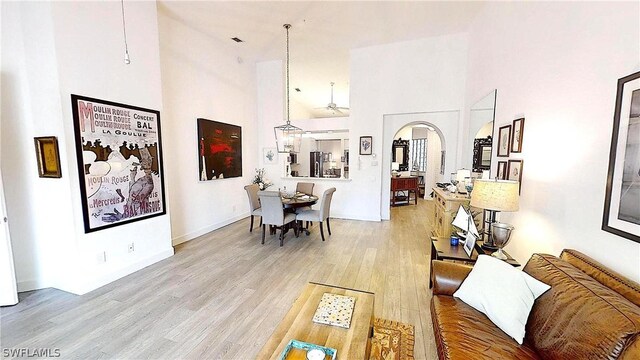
[514, 171]
[48, 157]
[469, 243]
[504, 135]
[270, 156]
[366, 145]
[516, 135]
[621, 214]
[502, 170]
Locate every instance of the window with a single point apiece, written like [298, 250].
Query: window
[418, 151]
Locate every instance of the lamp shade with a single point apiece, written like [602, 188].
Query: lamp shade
[462, 174]
[497, 195]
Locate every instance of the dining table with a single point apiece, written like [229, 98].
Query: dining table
[296, 201]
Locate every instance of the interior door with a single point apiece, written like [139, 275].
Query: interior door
[8, 288]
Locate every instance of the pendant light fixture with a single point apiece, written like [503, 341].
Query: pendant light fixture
[288, 137]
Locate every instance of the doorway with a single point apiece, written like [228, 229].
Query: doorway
[439, 127]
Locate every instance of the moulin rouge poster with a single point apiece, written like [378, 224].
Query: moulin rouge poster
[119, 162]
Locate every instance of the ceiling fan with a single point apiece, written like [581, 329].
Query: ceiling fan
[332, 106]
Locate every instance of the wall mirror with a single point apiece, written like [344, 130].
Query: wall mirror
[400, 154]
[477, 147]
[323, 154]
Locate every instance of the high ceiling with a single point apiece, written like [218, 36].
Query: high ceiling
[321, 35]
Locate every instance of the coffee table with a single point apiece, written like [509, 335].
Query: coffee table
[352, 343]
[441, 249]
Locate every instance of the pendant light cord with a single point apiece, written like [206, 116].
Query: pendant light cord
[124, 29]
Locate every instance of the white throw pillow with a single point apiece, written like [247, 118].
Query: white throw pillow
[502, 292]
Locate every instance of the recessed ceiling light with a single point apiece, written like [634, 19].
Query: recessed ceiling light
[237, 39]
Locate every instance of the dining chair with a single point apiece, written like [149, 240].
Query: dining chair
[305, 188]
[254, 203]
[320, 215]
[273, 214]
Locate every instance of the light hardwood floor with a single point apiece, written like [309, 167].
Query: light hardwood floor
[221, 295]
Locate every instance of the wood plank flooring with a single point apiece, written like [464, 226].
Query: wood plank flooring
[222, 295]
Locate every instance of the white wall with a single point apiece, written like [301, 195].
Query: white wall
[425, 75]
[557, 64]
[53, 50]
[201, 78]
[421, 76]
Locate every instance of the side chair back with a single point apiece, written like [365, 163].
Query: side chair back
[305, 188]
[272, 212]
[252, 193]
[325, 203]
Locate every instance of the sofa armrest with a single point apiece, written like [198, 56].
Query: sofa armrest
[448, 276]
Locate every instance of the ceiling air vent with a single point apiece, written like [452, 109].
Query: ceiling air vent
[237, 39]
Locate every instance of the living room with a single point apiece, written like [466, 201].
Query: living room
[555, 64]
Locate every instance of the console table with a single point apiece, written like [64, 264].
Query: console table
[402, 184]
[444, 211]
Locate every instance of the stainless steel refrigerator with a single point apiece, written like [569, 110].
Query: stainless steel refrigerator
[316, 167]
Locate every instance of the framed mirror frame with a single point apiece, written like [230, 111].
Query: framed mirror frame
[478, 150]
[403, 146]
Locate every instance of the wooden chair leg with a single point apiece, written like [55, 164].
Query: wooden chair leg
[296, 228]
[329, 226]
[260, 220]
[321, 231]
[282, 236]
[251, 226]
[264, 230]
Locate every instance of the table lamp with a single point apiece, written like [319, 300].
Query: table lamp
[494, 196]
[395, 166]
[461, 175]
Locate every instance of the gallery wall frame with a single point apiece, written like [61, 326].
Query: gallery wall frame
[504, 141]
[113, 142]
[219, 150]
[517, 133]
[501, 172]
[48, 156]
[621, 213]
[514, 171]
[366, 145]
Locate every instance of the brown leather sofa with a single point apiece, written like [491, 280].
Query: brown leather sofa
[590, 312]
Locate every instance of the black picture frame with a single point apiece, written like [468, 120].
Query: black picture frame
[504, 141]
[517, 134]
[366, 145]
[621, 213]
[515, 174]
[127, 127]
[501, 172]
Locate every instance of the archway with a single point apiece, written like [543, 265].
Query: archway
[443, 123]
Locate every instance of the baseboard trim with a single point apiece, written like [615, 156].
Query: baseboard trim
[81, 289]
[194, 234]
[355, 217]
[29, 285]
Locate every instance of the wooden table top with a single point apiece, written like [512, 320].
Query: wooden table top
[448, 252]
[350, 343]
[299, 200]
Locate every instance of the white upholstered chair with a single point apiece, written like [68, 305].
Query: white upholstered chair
[305, 188]
[254, 203]
[273, 213]
[321, 215]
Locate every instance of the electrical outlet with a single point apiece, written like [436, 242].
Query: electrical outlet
[131, 247]
[101, 257]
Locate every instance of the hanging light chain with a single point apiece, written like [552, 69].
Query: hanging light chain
[287, 26]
